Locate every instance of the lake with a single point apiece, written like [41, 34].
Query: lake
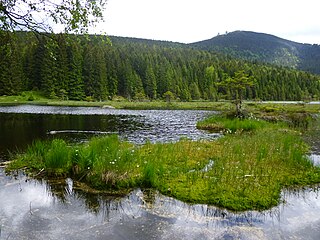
[40, 209]
[20, 125]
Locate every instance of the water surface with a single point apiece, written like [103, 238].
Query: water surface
[32, 209]
[20, 125]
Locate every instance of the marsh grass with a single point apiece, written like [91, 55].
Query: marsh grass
[221, 123]
[238, 171]
[255, 167]
[56, 159]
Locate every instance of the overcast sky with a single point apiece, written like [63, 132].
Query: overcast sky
[194, 20]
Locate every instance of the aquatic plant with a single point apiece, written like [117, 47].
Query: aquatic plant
[56, 159]
[219, 123]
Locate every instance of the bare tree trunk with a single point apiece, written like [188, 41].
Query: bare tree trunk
[239, 105]
[238, 109]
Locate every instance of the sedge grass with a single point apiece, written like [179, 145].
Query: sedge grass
[218, 123]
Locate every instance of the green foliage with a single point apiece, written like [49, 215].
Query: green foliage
[269, 109]
[169, 96]
[31, 98]
[237, 85]
[194, 91]
[140, 97]
[56, 159]
[10, 65]
[74, 16]
[300, 120]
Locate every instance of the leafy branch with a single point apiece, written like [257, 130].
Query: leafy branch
[40, 15]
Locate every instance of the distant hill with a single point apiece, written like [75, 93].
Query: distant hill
[265, 48]
[146, 42]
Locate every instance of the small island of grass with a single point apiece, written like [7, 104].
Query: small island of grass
[244, 170]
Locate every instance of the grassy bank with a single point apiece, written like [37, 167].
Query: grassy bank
[240, 171]
[36, 98]
[267, 109]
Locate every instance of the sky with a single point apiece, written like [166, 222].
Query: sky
[189, 21]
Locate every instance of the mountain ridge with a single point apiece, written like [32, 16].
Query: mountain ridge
[266, 48]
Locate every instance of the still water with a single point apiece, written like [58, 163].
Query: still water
[20, 125]
[40, 209]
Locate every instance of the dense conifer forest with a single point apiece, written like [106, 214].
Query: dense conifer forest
[90, 68]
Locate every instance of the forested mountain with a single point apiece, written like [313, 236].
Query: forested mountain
[87, 68]
[265, 48]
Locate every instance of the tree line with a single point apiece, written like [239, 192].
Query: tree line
[90, 68]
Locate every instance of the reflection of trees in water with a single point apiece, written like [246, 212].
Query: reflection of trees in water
[62, 190]
[149, 196]
[56, 188]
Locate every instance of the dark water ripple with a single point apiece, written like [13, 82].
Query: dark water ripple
[20, 125]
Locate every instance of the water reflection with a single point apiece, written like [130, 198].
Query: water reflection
[315, 159]
[38, 209]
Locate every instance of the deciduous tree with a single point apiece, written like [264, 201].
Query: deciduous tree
[41, 15]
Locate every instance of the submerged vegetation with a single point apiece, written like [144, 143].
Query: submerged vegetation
[240, 171]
